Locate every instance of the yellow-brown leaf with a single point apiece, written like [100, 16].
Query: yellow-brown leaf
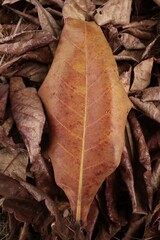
[87, 109]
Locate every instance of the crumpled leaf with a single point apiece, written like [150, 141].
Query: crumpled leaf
[29, 117]
[144, 25]
[156, 176]
[139, 33]
[3, 99]
[143, 156]
[77, 128]
[78, 9]
[114, 11]
[92, 218]
[148, 108]
[20, 43]
[142, 75]
[131, 42]
[6, 141]
[13, 162]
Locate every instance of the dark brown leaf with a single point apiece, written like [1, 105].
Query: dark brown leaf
[130, 55]
[144, 25]
[4, 88]
[20, 43]
[148, 108]
[29, 117]
[151, 94]
[127, 176]
[143, 156]
[154, 142]
[139, 33]
[152, 49]
[156, 176]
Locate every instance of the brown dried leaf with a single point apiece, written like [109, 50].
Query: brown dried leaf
[114, 11]
[4, 88]
[143, 155]
[29, 117]
[152, 49]
[144, 25]
[154, 142]
[125, 77]
[142, 75]
[148, 108]
[157, 2]
[139, 33]
[127, 176]
[131, 42]
[129, 55]
[10, 1]
[156, 176]
[20, 43]
[47, 22]
[13, 162]
[151, 94]
[79, 9]
[75, 128]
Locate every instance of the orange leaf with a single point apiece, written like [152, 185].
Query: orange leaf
[87, 109]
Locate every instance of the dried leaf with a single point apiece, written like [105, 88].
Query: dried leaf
[154, 142]
[20, 43]
[79, 137]
[157, 2]
[3, 99]
[29, 117]
[79, 9]
[130, 55]
[9, 1]
[127, 176]
[115, 12]
[152, 49]
[143, 155]
[139, 33]
[142, 75]
[144, 25]
[13, 162]
[151, 94]
[131, 42]
[156, 176]
[47, 22]
[148, 108]
[125, 77]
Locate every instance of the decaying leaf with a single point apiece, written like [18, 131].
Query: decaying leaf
[29, 117]
[20, 43]
[130, 55]
[139, 33]
[131, 42]
[78, 9]
[152, 49]
[3, 99]
[157, 2]
[125, 71]
[142, 75]
[86, 128]
[13, 162]
[151, 94]
[148, 108]
[114, 11]
[154, 142]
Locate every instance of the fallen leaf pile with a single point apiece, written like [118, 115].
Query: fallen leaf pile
[73, 165]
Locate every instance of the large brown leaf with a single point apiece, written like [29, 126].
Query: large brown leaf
[86, 107]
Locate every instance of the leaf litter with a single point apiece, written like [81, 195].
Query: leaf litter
[36, 206]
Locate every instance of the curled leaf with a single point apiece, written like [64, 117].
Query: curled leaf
[131, 42]
[125, 76]
[143, 155]
[114, 11]
[142, 75]
[20, 43]
[148, 108]
[84, 122]
[29, 117]
[151, 94]
[152, 49]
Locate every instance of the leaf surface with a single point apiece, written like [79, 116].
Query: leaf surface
[81, 93]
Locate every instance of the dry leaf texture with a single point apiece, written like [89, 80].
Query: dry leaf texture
[81, 93]
[3, 99]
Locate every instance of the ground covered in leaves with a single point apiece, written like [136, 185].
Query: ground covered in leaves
[127, 205]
